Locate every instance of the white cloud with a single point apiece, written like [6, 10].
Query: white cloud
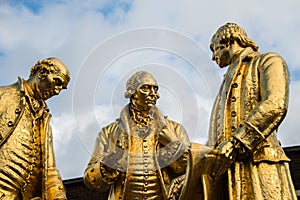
[71, 30]
[63, 127]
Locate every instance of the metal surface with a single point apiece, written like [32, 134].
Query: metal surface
[27, 165]
[251, 104]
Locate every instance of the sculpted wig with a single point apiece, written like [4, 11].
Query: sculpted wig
[52, 65]
[137, 80]
[231, 32]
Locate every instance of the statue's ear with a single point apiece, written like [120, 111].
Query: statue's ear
[134, 96]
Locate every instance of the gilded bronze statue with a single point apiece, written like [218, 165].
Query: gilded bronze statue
[27, 164]
[143, 154]
[251, 104]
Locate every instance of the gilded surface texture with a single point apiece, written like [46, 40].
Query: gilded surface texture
[27, 166]
[251, 104]
[143, 155]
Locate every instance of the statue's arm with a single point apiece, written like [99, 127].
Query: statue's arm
[98, 175]
[54, 185]
[175, 153]
[272, 108]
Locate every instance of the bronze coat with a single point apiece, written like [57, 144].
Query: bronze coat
[116, 136]
[12, 105]
[251, 105]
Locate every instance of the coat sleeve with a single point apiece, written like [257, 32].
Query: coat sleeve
[273, 86]
[175, 154]
[54, 185]
[97, 175]
[212, 131]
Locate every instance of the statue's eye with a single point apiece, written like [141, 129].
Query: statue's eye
[145, 88]
[58, 82]
[219, 47]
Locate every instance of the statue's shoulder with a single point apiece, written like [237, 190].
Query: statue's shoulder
[10, 95]
[269, 55]
[173, 123]
[111, 127]
[13, 89]
[11, 106]
[271, 59]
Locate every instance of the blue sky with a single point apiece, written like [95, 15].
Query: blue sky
[34, 5]
[110, 8]
[103, 42]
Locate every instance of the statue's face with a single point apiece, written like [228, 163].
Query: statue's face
[222, 54]
[146, 97]
[52, 82]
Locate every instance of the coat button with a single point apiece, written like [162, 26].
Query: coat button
[10, 123]
[233, 99]
[233, 113]
[18, 111]
[235, 85]
[233, 128]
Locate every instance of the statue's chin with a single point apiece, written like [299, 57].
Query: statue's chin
[46, 95]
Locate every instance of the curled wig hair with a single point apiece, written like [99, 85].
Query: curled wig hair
[137, 80]
[231, 32]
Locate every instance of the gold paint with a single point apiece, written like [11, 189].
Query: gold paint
[251, 104]
[142, 155]
[27, 164]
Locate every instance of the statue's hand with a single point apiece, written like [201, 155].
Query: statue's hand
[228, 149]
[219, 160]
[166, 136]
[232, 149]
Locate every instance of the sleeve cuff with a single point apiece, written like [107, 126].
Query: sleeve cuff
[249, 136]
[94, 180]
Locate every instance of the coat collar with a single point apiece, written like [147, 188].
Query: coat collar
[38, 106]
[247, 54]
[125, 117]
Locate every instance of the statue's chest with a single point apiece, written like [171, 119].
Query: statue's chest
[22, 150]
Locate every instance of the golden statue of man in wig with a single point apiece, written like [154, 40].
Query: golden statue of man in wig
[251, 104]
[27, 164]
[143, 154]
